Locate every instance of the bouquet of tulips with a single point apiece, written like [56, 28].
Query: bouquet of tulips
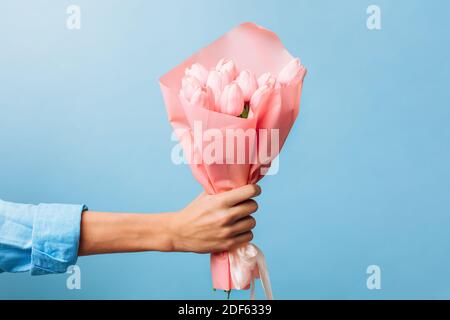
[232, 106]
[226, 90]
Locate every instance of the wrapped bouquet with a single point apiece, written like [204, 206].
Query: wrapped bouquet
[232, 106]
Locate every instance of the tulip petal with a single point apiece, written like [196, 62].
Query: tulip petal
[189, 85]
[227, 69]
[292, 72]
[199, 72]
[260, 97]
[232, 100]
[214, 82]
[248, 83]
[266, 79]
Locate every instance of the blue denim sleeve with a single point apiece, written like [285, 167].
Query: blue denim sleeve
[41, 239]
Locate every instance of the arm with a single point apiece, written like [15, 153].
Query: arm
[208, 224]
[48, 238]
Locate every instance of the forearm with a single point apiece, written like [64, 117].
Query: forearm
[104, 232]
[48, 238]
[209, 224]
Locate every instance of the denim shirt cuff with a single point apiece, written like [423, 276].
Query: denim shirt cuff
[55, 238]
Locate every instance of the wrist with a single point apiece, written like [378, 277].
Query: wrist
[159, 234]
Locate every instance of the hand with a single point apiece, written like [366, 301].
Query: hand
[215, 223]
[209, 224]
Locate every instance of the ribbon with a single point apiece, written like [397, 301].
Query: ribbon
[248, 263]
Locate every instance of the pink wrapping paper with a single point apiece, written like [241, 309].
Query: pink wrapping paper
[259, 50]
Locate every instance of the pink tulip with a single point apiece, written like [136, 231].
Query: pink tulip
[227, 68]
[214, 82]
[267, 79]
[260, 97]
[292, 72]
[203, 98]
[199, 72]
[189, 85]
[232, 100]
[247, 81]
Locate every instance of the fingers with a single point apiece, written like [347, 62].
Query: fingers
[241, 194]
[242, 210]
[241, 239]
[235, 242]
[242, 226]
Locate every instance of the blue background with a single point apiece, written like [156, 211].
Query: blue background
[364, 177]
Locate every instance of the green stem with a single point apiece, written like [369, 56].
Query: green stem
[246, 111]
